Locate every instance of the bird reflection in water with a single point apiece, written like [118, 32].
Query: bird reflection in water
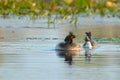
[88, 53]
[68, 55]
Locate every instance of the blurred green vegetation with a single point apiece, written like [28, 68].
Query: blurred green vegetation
[102, 40]
[62, 8]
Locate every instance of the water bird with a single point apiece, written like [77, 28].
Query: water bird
[88, 46]
[64, 46]
[89, 42]
[68, 43]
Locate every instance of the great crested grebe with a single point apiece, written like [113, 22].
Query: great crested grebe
[68, 43]
[64, 46]
[89, 42]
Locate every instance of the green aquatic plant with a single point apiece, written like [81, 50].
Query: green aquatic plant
[109, 39]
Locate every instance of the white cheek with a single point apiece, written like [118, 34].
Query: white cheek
[89, 45]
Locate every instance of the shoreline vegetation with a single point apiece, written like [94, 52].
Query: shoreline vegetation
[62, 9]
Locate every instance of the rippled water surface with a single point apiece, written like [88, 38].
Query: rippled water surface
[27, 51]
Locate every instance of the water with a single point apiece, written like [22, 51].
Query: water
[27, 51]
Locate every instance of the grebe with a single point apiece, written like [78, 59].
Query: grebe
[89, 42]
[68, 43]
[64, 46]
